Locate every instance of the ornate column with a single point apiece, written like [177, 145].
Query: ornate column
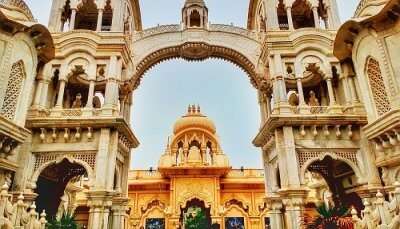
[333, 107]
[353, 90]
[38, 93]
[303, 109]
[112, 89]
[60, 96]
[289, 17]
[294, 208]
[73, 17]
[275, 212]
[99, 213]
[347, 93]
[119, 216]
[332, 100]
[99, 20]
[328, 18]
[316, 16]
[43, 94]
[89, 103]
[279, 86]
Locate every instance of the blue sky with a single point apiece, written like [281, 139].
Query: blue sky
[221, 89]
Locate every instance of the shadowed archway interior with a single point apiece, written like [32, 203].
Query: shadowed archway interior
[52, 183]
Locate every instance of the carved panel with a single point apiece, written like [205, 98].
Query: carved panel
[42, 158]
[305, 156]
[13, 90]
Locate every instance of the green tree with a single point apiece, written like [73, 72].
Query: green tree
[66, 222]
[329, 218]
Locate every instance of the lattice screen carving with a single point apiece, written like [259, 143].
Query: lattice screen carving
[13, 90]
[305, 156]
[88, 157]
[377, 85]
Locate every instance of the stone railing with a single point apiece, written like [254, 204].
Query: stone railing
[232, 29]
[19, 215]
[177, 28]
[381, 214]
[157, 30]
[240, 173]
[145, 174]
[310, 109]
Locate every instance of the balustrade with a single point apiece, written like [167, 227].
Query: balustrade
[380, 214]
[19, 214]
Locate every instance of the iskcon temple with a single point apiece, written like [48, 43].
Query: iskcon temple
[328, 95]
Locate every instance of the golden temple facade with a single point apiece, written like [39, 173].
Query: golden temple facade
[194, 172]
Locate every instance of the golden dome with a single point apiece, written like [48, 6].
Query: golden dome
[194, 119]
[17, 9]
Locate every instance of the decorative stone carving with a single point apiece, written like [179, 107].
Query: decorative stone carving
[378, 88]
[13, 90]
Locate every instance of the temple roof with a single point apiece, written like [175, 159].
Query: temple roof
[194, 119]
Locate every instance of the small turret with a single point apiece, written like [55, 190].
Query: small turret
[195, 15]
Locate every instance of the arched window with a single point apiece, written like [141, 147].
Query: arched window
[66, 16]
[86, 16]
[302, 14]
[282, 16]
[107, 17]
[195, 19]
[13, 90]
[377, 85]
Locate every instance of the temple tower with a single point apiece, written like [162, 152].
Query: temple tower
[308, 90]
[80, 112]
[194, 14]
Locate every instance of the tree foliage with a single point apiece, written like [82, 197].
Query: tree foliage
[66, 222]
[197, 221]
[329, 218]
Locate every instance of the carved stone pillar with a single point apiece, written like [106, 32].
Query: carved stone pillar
[302, 103]
[43, 94]
[289, 17]
[38, 92]
[112, 88]
[316, 16]
[99, 20]
[332, 100]
[346, 87]
[60, 96]
[275, 211]
[73, 17]
[293, 200]
[99, 213]
[119, 216]
[89, 103]
[333, 107]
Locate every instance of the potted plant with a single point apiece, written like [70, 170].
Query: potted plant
[65, 222]
[329, 218]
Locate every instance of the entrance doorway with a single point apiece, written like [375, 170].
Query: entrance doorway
[52, 182]
[341, 180]
[195, 215]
